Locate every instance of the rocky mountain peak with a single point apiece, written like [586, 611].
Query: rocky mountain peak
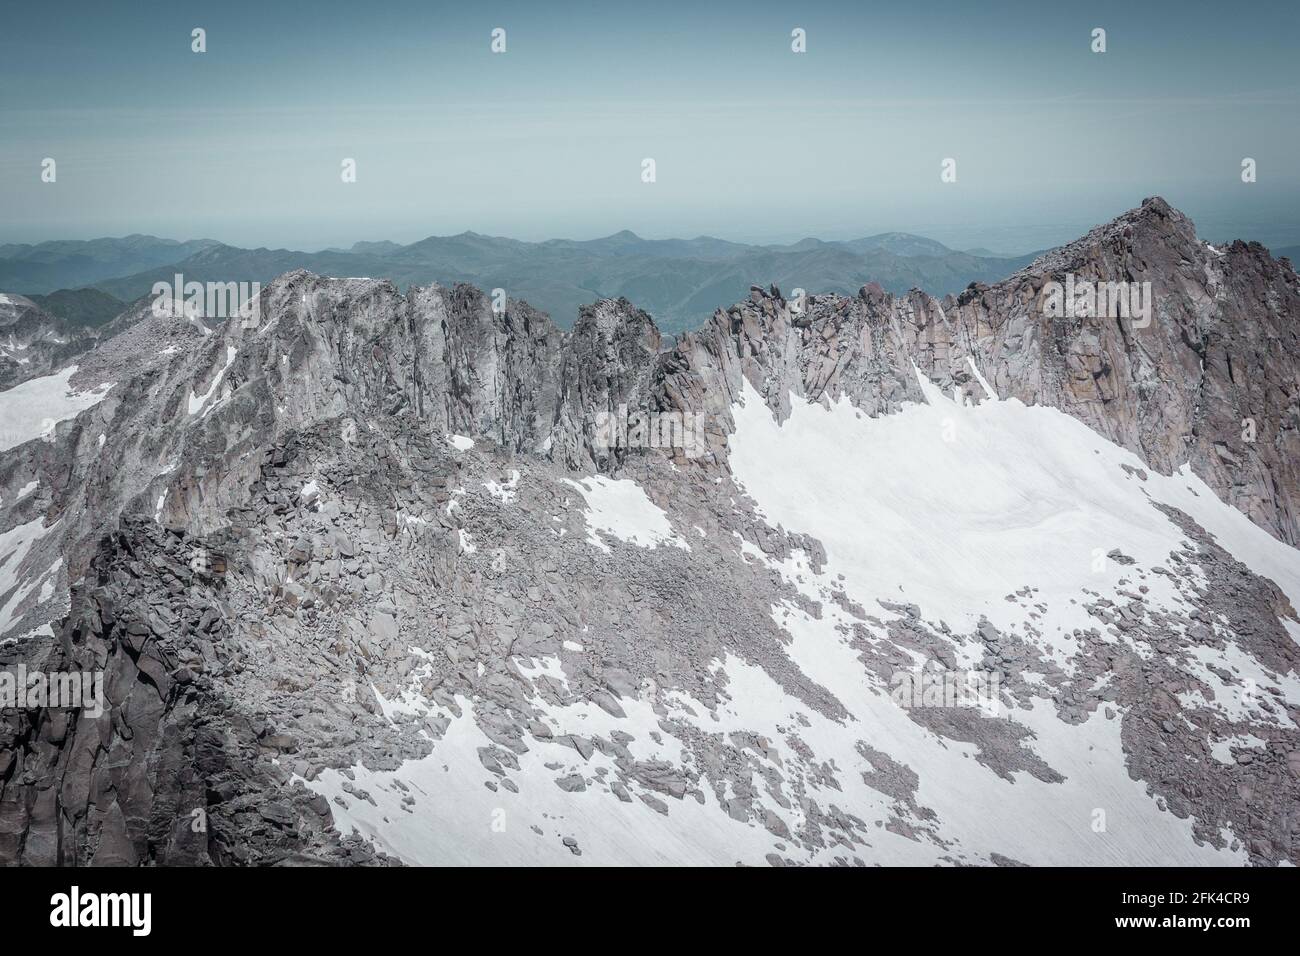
[1208, 355]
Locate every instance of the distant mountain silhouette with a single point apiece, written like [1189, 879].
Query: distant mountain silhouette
[81, 307]
[73, 263]
[679, 281]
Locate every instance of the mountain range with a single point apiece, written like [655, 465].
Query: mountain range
[680, 281]
[378, 575]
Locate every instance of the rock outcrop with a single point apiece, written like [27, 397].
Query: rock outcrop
[172, 771]
[35, 343]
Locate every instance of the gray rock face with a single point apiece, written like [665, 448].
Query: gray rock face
[172, 772]
[1220, 359]
[610, 361]
[322, 555]
[444, 355]
[34, 343]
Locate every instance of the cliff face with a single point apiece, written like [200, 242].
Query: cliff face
[1213, 380]
[173, 771]
[431, 549]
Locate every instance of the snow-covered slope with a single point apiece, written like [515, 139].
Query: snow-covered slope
[954, 516]
[34, 408]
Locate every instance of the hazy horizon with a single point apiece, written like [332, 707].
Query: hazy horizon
[752, 142]
[993, 241]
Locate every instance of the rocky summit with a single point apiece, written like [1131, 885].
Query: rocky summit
[380, 578]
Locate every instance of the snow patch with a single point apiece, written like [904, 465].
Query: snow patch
[621, 507]
[198, 401]
[14, 547]
[507, 490]
[32, 409]
[25, 490]
[1221, 750]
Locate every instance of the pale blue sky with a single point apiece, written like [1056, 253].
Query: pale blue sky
[752, 142]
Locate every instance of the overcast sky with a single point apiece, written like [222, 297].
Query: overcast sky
[751, 141]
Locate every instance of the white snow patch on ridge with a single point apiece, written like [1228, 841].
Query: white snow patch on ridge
[622, 508]
[14, 546]
[1018, 496]
[25, 490]
[32, 409]
[198, 401]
